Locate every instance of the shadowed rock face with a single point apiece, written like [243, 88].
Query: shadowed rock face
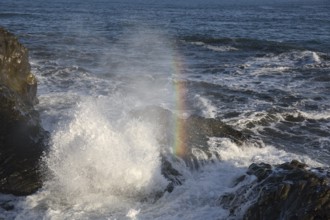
[286, 191]
[21, 136]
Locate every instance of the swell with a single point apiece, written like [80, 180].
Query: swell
[245, 43]
[295, 122]
[292, 130]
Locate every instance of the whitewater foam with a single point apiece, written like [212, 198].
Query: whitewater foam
[208, 109]
[316, 115]
[271, 63]
[100, 152]
[121, 196]
[215, 48]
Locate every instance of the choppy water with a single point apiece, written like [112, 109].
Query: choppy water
[262, 67]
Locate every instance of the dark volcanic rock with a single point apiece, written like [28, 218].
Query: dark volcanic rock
[21, 136]
[197, 131]
[286, 191]
[174, 176]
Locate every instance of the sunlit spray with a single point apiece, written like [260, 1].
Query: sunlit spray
[100, 154]
[105, 152]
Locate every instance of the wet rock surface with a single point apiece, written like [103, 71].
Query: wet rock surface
[175, 177]
[197, 131]
[22, 139]
[192, 132]
[286, 191]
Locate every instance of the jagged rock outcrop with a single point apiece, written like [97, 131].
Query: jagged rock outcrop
[175, 177]
[21, 136]
[197, 129]
[196, 132]
[287, 191]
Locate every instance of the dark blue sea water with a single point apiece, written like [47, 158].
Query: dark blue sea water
[262, 67]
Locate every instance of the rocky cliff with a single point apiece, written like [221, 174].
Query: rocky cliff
[21, 135]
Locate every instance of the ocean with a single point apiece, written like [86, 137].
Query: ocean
[261, 67]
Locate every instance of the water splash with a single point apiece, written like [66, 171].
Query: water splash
[103, 153]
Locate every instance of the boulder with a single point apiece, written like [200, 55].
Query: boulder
[197, 128]
[22, 139]
[196, 132]
[287, 191]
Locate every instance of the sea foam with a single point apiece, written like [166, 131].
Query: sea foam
[102, 153]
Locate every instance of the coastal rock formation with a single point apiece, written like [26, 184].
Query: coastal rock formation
[196, 132]
[193, 132]
[21, 136]
[15, 70]
[197, 129]
[286, 191]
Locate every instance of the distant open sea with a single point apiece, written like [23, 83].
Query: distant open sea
[262, 67]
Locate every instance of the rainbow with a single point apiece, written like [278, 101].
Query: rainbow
[180, 136]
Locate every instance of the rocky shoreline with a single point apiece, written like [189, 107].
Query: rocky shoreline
[285, 191]
[22, 139]
[290, 190]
